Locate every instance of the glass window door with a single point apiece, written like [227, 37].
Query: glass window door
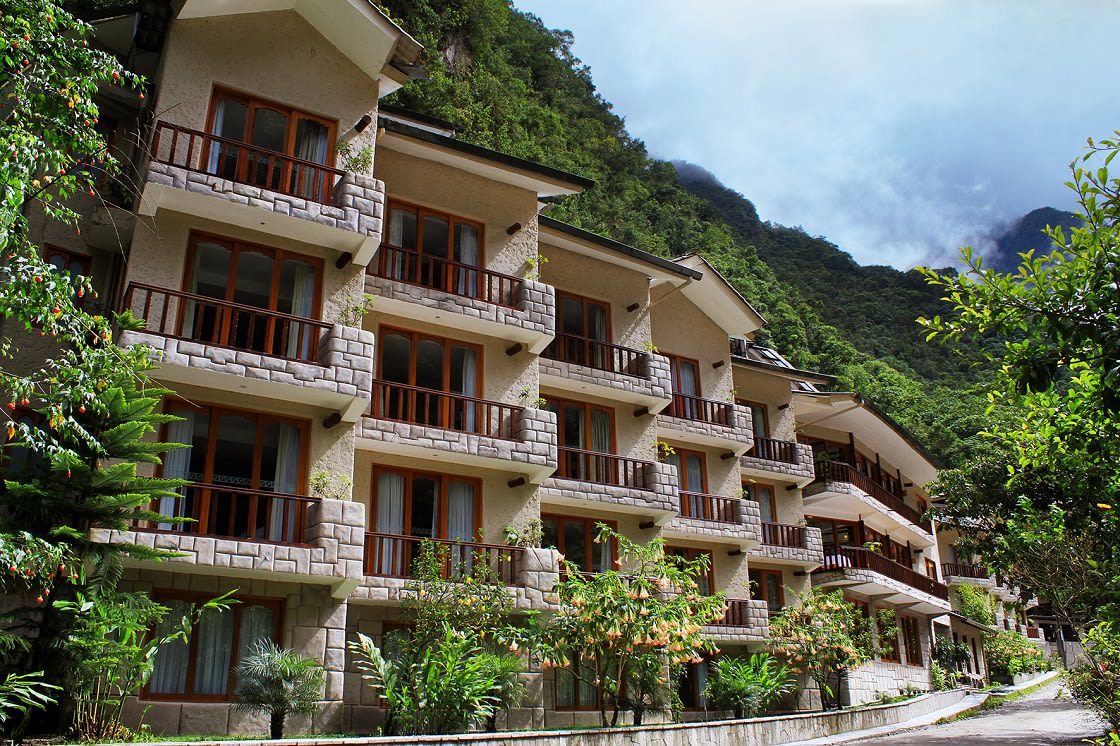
[426, 367]
[434, 250]
[575, 539]
[585, 427]
[763, 494]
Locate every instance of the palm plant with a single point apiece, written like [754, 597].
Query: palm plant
[748, 686]
[280, 682]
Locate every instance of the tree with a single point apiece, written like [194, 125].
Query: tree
[612, 626]
[823, 636]
[280, 682]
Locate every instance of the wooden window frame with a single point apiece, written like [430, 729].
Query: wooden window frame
[931, 568]
[443, 479]
[584, 302]
[587, 407]
[415, 338]
[765, 409]
[911, 635]
[163, 595]
[675, 373]
[252, 103]
[757, 576]
[589, 532]
[681, 476]
[691, 554]
[452, 220]
[696, 692]
[751, 488]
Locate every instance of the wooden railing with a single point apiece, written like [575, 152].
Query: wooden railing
[569, 348]
[602, 468]
[709, 507]
[853, 558]
[391, 555]
[238, 513]
[464, 414]
[199, 318]
[964, 571]
[770, 449]
[738, 614]
[465, 280]
[835, 471]
[1032, 632]
[237, 161]
[695, 408]
[783, 535]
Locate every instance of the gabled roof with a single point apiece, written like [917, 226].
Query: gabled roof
[715, 296]
[580, 241]
[430, 145]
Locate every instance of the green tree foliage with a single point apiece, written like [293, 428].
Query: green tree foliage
[976, 604]
[1010, 654]
[748, 686]
[280, 682]
[1096, 682]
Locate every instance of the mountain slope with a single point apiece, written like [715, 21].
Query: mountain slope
[1024, 235]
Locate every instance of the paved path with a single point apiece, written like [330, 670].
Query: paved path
[1042, 718]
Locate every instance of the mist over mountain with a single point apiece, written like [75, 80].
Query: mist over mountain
[1025, 234]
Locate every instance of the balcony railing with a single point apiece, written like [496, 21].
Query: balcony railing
[835, 471]
[783, 535]
[709, 507]
[853, 558]
[1032, 632]
[695, 408]
[238, 161]
[594, 353]
[964, 571]
[464, 414]
[465, 280]
[392, 555]
[602, 468]
[238, 513]
[770, 449]
[738, 614]
[198, 318]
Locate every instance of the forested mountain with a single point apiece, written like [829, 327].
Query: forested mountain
[513, 85]
[1024, 235]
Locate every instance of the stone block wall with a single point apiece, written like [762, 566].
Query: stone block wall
[801, 471]
[650, 379]
[654, 493]
[811, 554]
[756, 630]
[738, 436]
[746, 531]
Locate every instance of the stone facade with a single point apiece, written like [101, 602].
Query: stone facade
[847, 488]
[855, 576]
[737, 437]
[811, 555]
[745, 532]
[756, 629]
[655, 495]
[649, 384]
[801, 472]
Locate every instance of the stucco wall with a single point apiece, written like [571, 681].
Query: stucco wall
[680, 328]
[772, 391]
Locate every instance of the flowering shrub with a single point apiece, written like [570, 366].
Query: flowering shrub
[1010, 654]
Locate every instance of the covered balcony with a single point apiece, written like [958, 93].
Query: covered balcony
[840, 491]
[613, 483]
[869, 573]
[238, 183]
[199, 339]
[439, 290]
[970, 574]
[724, 520]
[778, 460]
[746, 620]
[790, 543]
[414, 421]
[707, 422]
[589, 366]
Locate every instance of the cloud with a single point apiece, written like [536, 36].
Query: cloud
[899, 129]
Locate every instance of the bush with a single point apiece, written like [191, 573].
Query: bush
[747, 686]
[951, 655]
[1010, 654]
[939, 679]
[976, 604]
[280, 682]
[1097, 683]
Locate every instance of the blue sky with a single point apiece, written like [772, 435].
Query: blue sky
[898, 129]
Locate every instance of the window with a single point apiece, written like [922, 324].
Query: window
[690, 686]
[763, 494]
[581, 323]
[931, 569]
[205, 666]
[585, 429]
[433, 250]
[252, 277]
[17, 458]
[421, 364]
[285, 145]
[911, 639]
[575, 688]
[693, 481]
[885, 619]
[237, 460]
[766, 585]
[685, 375]
[834, 534]
[705, 581]
[760, 419]
[575, 539]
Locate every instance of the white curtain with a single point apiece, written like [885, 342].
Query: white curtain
[169, 672]
[597, 330]
[468, 254]
[701, 682]
[214, 648]
[390, 519]
[688, 386]
[469, 387]
[311, 146]
[282, 517]
[565, 688]
[601, 443]
[216, 128]
[303, 294]
[765, 503]
[256, 624]
[460, 524]
[176, 465]
[396, 262]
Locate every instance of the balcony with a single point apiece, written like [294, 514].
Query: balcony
[724, 520]
[414, 421]
[707, 422]
[462, 296]
[792, 544]
[588, 366]
[197, 173]
[529, 573]
[840, 491]
[870, 573]
[196, 339]
[958, 574]
[613, 483]
[746, 620]
[778, 460]
[257, 534]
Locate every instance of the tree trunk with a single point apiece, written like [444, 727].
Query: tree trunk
[276, 726]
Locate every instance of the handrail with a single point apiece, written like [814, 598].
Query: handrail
[438, 273]
[709, 507]
[200, 318]
[594, 353]
[849, 558]
[242, 162]
[603, 468]
[698, 409]
[837, 471]
[738, 614]
[402, 402]
[964, 570]
[391, 555]
[772, 449]
[783, 535]
[238, 513]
